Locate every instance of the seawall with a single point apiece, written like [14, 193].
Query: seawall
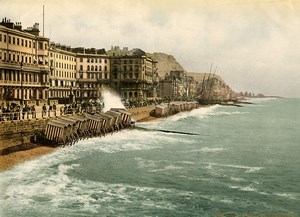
[18, 132]
[15, 135]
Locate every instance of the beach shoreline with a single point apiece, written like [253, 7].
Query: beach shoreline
[10, 160]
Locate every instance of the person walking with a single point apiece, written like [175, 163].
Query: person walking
[44, 109]
[49, 111]
[54, 109]
[33, 111]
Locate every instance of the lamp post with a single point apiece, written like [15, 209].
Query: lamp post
[22, 91]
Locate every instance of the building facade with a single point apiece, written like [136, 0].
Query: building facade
[177, 85]
[33, 70]
[93, 72]
[62, 76]
[23, 63]
[134, 75]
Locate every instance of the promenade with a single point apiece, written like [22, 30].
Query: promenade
[38, 113]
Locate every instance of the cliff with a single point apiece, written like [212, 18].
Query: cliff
[213, 87]
[166, 63]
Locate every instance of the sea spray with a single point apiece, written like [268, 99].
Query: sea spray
[111, 100]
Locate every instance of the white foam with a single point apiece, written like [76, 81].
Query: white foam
[199, 113]
[111, 100]
[243, 188]
[246, 168]
[286, 195]
[237, 179]
[206, 150]
[228, 113]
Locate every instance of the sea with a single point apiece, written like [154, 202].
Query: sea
[236, 161]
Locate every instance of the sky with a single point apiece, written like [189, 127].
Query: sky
[254, 45]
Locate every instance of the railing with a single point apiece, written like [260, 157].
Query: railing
[28, 115]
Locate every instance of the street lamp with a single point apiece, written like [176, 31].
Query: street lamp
[22, 91]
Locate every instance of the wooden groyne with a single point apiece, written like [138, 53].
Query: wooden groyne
[67, 130]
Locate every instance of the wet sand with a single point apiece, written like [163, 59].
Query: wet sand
[10, 160]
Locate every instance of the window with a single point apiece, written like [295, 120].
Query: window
[18, 41]
[9, 39]
[81, 59]
[88, 68]
[105, 68]
[25, 43]
[4, 38]
[30, 44]
[14, 40]
[22, 42]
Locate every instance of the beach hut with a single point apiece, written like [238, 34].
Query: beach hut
[58, 132]
[94, 125]
[112, 122]
[82, 125]
[126, 116]
[106, 122]
[118, 116]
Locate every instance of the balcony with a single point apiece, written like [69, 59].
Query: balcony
[24, 83]
[103, 80]
[131, 80]
[87, 80]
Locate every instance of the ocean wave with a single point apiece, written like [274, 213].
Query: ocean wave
[286, 195]
[236, 179]
[246, 168]
[243, 188]
[205, 150]
[228, 113]
[199, 113]
[250, 188]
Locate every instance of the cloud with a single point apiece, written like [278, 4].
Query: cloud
[254, 43]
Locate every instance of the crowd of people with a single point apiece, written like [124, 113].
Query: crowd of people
[16, 112]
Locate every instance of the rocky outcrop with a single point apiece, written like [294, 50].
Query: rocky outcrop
[213, 88]
[166, 63]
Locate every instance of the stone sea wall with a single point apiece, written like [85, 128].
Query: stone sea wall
[18, 132]
[15, 135]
